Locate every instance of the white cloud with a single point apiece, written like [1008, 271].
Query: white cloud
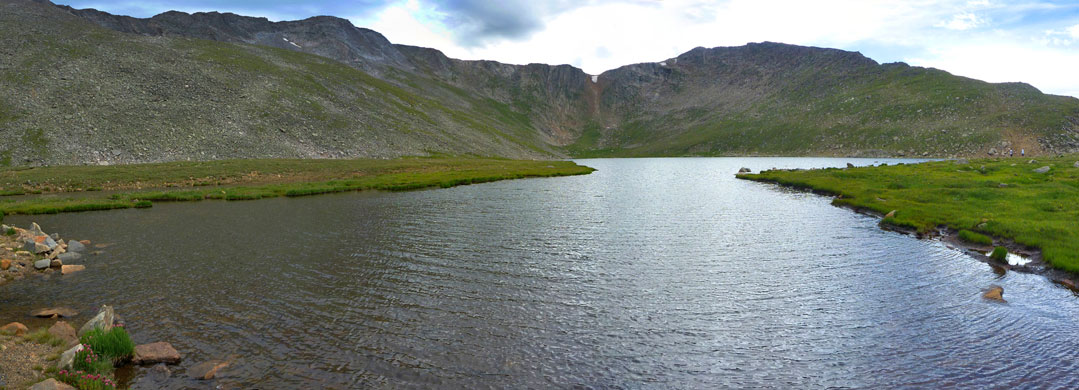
[1074, 31]
[961, 22]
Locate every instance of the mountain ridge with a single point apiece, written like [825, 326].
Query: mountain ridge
[758, 99]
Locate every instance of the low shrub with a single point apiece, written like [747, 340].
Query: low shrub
[114, 344]
[86, 381]
[11, 232]
[975, 238]
[999, 253]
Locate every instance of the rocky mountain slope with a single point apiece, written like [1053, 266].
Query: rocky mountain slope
[83, 86]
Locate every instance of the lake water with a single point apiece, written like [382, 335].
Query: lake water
[649, 273]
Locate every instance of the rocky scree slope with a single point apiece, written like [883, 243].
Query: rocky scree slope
[320, 87]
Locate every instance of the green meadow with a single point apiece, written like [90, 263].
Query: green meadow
[983, 198]
[50, 190]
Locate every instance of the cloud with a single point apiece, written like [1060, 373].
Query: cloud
[479, 22]
[965, 21]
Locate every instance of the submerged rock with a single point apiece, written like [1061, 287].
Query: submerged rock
[70, 256]
[995, 293]
[71, 268]
[206, 370]
[159, 352]
[55, 311]
[1044, 169]
[43, 264]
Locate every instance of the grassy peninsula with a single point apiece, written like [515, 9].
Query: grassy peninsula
[50, 190]
[1010, 198]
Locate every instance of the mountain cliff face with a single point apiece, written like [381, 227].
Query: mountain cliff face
[83, 86]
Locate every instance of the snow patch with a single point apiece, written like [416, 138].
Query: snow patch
[291, 42]
[662, 64]
[595, 79]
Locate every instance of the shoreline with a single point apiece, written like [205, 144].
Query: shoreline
[950, 238]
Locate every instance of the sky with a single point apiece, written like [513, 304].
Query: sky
[1035, 41]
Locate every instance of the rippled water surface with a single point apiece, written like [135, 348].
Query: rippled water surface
[649, 273]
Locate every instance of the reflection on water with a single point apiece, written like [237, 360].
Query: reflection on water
[658, 273]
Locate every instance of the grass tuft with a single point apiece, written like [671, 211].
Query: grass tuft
[999, 253]
[975, 238]
[115, 344]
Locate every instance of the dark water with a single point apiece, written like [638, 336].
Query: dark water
[649, 273]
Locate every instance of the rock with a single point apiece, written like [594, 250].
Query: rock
[64, 331]
[1002, 185]
[69, 257]
[159, 372]
[42, 264]
[992, 151]
[745, 170]
[1068, 283]
[35, 229]
[71, 268]
[59, 311]
[5, 264]
[51, 384]
[890, 214]
[1032, 161]
[206, 370]
[159, 352]
[104, 319]
[15, 327]
[64, 363]
[75, 246]
[56, 263]
[22, 253]
[84, 242]
[1044, 169]
[35, 247]
[995, 293]
[849, 165]
[1076, 164]
[962, 161]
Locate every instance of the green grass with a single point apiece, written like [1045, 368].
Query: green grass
[1006, 199]
[42, 336]
[114, 344]
[254, 179]
[999, 253]
[975, 238]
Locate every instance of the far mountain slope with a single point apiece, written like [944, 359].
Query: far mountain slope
[87, 86]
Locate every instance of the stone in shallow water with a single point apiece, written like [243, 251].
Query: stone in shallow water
[104, 319]
[58, 311]
[206, 370]
[159, 352]
[69, 257]
[995, 293]
[71, 268]
[75, 246]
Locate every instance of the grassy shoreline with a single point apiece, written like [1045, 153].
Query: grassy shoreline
[79, 188]
[1004, 199]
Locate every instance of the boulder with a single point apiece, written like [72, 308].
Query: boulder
[56, 263]
[5, 264]
[206, 370]
[962, 161]
[890, 214]
[995, 293]
[69, 257]
[992, 151]
[745, 170]
[35, 247]
[51, 384]
[35, 229]
[84, 242]
[57, 311]
[43, 263]
[64, 363]
[104, 319]
[71, 268]
[1076, 164]
[15, 327]
[159, 352]
[75, 246]
[1044, 169]
[64, 331]
[849, 165]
